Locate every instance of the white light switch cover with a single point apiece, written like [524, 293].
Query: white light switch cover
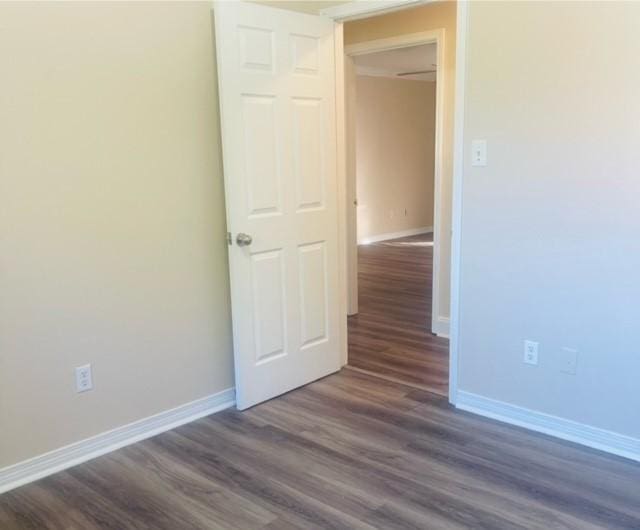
[479, 153]
[569, 361]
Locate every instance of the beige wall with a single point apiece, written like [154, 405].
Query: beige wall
[395, 135]
[550, 246]
[428, 17]
[111, 218]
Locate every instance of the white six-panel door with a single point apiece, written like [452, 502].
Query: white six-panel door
[277, 103]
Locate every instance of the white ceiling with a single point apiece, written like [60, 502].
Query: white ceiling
[390, 63]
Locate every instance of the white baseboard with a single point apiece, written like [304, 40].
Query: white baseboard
[41, 466]
[440, 326]
[610, 442]
[395, 235]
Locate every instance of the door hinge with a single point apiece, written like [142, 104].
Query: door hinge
[229, 240]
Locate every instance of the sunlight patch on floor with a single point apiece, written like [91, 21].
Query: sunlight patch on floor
[408, 244]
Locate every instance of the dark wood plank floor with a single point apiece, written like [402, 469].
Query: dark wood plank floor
[348, 451]
[390, 336]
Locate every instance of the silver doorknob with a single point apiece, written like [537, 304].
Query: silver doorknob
[243, 240]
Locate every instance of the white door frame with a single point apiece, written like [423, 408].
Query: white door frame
[458, 158]
[462, 31]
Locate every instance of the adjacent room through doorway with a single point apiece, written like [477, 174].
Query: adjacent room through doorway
[395, 132]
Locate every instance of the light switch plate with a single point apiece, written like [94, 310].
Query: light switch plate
[479, 153]
[569, 361]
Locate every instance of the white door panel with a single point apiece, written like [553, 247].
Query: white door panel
[277, 104]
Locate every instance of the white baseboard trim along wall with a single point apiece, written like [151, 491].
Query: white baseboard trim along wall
[395, 235]
[41, 466]
[610, 442]
[441, 327]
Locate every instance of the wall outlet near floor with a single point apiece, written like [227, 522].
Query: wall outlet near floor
[530, 352]
[568, 361]
[84, 378]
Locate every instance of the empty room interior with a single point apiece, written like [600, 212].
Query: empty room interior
[391, 336]
[319, 264]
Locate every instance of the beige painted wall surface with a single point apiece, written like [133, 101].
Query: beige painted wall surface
[550, 246]
[111, 218]
[428, 17]
[395, 135]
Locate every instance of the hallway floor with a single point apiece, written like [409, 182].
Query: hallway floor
[391, 335]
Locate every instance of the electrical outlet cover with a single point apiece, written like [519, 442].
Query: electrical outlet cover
[530, 352]
[84, 379]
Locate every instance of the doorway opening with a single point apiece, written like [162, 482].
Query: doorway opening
[394, 143]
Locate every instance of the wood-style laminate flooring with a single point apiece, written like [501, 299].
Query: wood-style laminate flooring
[349, 451]
[391, 334]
